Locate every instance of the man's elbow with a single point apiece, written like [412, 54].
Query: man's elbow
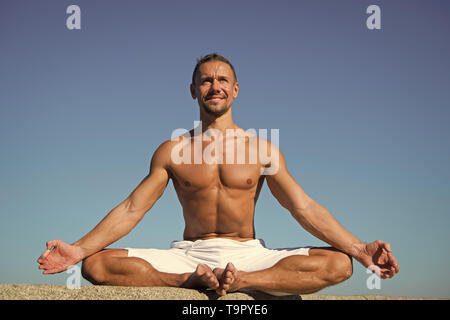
[306, 209]
[131, 211]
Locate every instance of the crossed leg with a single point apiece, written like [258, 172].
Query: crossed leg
[294, 274]
[114, 267]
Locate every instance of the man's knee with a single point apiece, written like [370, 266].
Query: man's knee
[92, 268]
[339, 267]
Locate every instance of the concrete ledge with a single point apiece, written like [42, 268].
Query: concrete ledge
[61, 292]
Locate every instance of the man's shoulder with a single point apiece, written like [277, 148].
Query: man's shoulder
[166, 145]
[163, 152]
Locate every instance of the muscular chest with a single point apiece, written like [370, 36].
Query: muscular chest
[202, 176]
[233, 168]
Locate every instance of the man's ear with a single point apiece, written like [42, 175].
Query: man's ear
[236, 90]
[192, 87]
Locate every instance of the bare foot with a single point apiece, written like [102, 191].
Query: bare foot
[202, 278]
[228, 279]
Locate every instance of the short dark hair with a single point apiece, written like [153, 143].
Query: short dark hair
[211, 57]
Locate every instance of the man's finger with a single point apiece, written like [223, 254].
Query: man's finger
[50, 271]
[391, 272]
[386, 246]
[386, 274]
[393, 261]
[52, 244]
[45, 254]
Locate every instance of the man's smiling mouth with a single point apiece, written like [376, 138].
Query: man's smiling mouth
[214, 98]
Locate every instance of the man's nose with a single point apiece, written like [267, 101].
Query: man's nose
[215, 86]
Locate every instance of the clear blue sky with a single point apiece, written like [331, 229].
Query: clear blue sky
[363, 118]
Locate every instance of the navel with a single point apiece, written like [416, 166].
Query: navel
[187, 183]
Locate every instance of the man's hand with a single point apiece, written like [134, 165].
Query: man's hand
[378, 254]
[59, 256]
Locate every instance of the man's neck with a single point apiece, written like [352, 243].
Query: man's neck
[220, 123]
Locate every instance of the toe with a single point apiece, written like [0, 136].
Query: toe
[228, 277]
[213, 283]
[201, 269]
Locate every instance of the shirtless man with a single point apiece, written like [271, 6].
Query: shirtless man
[218, 201]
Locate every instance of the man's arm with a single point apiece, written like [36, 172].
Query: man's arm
[318, 221]
[312, 216]
[117, 223]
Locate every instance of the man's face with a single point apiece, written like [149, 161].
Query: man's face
[215, 87]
